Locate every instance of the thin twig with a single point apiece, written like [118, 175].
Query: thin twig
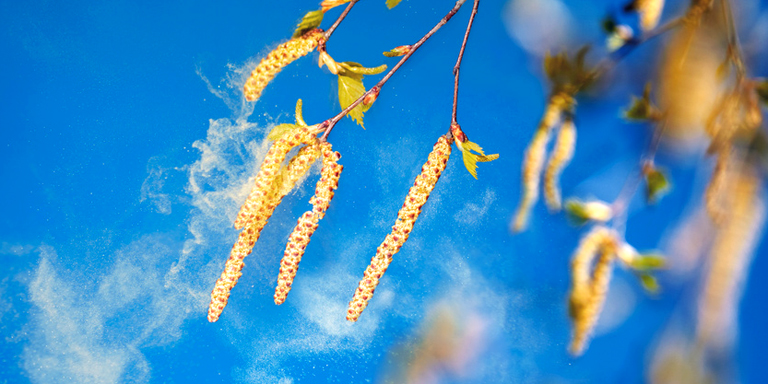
[457, 67]
[336, 23]
[332, 122]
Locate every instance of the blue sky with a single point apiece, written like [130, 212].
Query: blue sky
[127, 150]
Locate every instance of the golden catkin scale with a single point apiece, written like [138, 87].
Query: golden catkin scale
[534, 162]
[559, 159]
[406, 218]
[259, 216]
[269, 170]
[307, 223]
[588, 291]
[276, 60]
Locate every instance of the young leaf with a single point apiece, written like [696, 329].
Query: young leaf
[648, 262]
[656, 185]
[310, 21]
[762, 91]
[575, 212]
[392, 3]
[398, 51]
[350, 89]
[649, 283]
[641, 108]
[471, 159]
[328, 4]
[279, 130]
[356, 68]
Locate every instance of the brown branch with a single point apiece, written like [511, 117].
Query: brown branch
[341, 17]
[458, 62]
[329, 124]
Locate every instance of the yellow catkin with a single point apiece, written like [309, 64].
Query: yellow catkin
[588, 291]
[730, 256]
[276, 60]
[534, 162]
[269, 170]
[406, 218]
[259, 216]
[559, 159]
[650, 13]
[307, 223]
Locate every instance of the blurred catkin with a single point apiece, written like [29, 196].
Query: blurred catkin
[406, 218]
[276, 60]
[307, 223]
[588, 291]
[559, 159]
[533, 162]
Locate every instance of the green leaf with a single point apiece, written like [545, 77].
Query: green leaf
[656, 185]
[350, 68]
[649, 283]
[299, 115]
[309, 22]
[641, 109]
[350, 89]
[576, 212]
[649, 262]
[392, 3]
[279, 130]
[398, 51]
[471, 159]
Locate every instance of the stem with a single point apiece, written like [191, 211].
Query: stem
[332, 122]
[458, 62]
[330, 30]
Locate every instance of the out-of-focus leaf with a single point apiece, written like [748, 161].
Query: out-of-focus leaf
[576, 212]
[762, 91]
[350, 67]
[310, 21]
[350, 89]
[649, 283]
[609, 24]
[656, 185]
[279, 130]
[392, 3]
[641, 109]
[649, 262]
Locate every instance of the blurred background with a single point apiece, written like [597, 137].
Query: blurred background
[127, 150]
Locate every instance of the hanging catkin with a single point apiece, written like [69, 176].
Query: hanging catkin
[588, 291]
[534, 162]
[279, 185]
[276, 60]
[406, 217]
[307, 223]
[269, 170]
[559, 159]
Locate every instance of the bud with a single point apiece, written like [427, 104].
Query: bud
[371, 96]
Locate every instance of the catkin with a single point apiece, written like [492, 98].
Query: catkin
[534, 162]
[281, 56]
[730, 256]
[259, 215]
[559, 159]
[269, 170]
[307, 223]
[406, 218]
[650, 13]
[588, 291]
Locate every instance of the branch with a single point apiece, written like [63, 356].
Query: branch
[458, 62]
[329, 124]
[336, 23]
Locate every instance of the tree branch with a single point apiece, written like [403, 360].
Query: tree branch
[332, 122]
[457, 67]
[336, 23]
